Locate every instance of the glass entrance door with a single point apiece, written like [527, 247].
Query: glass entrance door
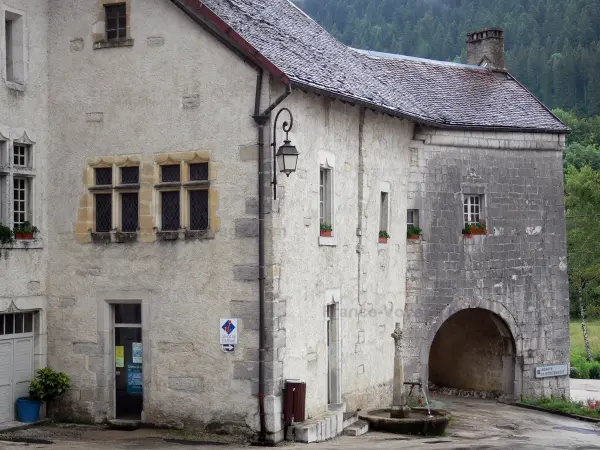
[129, 393]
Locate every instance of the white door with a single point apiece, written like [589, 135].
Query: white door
[6, 388]
[16, 361]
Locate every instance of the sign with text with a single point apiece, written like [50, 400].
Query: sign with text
[559, 370]
[229, 331]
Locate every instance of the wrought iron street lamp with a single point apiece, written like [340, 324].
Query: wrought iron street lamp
[287, 155]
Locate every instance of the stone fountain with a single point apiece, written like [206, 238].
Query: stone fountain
[400, 418]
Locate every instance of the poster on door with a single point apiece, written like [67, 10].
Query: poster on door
[119, 356]
[136, 353]
[135, 379]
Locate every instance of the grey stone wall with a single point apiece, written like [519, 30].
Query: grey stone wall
[518, 271]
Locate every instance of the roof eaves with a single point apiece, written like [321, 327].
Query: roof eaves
[418, 119]
[566, 128]
[200, 11]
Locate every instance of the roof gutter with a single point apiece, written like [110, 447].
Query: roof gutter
[421, 120]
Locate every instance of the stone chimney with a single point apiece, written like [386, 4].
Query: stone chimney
[486, 48]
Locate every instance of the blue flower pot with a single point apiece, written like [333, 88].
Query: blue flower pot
[28, 411]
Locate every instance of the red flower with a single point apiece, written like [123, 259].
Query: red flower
[592, 405]
[432, 395]
[420, 401]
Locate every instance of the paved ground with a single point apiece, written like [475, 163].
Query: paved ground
[477, 424]
[585, 389]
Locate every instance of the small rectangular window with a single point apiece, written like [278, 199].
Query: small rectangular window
[103, 213]
[21, 155]
[130, 175]
[129, 212]
[128, 313]
[325, 194]
[198, 210]
[1, 325]
[20, 200]
[412, 218]
[472, 209]
[116, 21]
[14, 45]
[170, 174]
[9, 324]
[28, 323]
[199, 172]
[19, 323]
[384, 212]
[104, 176]
[170, 209]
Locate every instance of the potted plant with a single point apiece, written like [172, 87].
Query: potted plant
[6, 235]
[25, 231]
[45, 387]
[472, 229]
[326, 230]
[383, 237]
[413, 232]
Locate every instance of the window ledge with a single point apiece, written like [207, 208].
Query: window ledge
[101, 238]
[327, 241]
[113, 44]
[122, 237]
[24, 244]
[15, 86]
[382, 246]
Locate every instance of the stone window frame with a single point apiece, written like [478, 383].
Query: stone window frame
[20, 83]
[148, 203]
[9, 172]
[115, 189]
[469, 217]
[99, 29]
[184, 186]
[415, 217]
[327, 164]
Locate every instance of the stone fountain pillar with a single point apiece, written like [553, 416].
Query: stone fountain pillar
[400, 409]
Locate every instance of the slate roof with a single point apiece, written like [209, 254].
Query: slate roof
[429, 92]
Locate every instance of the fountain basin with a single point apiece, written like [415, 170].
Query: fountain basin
[418, 423]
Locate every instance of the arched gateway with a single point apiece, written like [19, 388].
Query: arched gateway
[474, 348]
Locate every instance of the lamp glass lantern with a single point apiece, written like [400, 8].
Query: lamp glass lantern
[287, 158]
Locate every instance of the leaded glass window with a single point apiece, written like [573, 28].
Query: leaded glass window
[170, 210]
[199, 210]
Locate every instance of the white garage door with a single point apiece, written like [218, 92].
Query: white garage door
[16, 360]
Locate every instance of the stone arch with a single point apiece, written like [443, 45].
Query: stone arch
[506, 327]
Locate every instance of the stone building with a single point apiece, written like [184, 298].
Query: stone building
[149, 126]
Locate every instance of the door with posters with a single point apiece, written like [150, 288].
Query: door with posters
[129, 393]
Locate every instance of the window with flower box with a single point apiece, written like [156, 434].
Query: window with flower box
[17, 177]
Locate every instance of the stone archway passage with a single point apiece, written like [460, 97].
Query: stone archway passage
[473, 350]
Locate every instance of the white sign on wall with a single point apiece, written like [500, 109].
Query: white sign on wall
[558, 370]
[228, 329]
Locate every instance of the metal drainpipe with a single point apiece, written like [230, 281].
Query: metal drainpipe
[261, 120]
[261, 256]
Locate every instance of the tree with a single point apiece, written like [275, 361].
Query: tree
[583, 228]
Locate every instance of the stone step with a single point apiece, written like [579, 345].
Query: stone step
[322, 428]
[358, 428]
[349, 419]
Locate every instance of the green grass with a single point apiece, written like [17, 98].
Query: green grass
[560, 405]
[577, 345]
[581, 367]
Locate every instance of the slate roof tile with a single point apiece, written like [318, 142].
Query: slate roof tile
[432, 92]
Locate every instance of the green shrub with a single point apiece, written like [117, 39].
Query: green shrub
[595, 370]
[575, 373]
[48, 385]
